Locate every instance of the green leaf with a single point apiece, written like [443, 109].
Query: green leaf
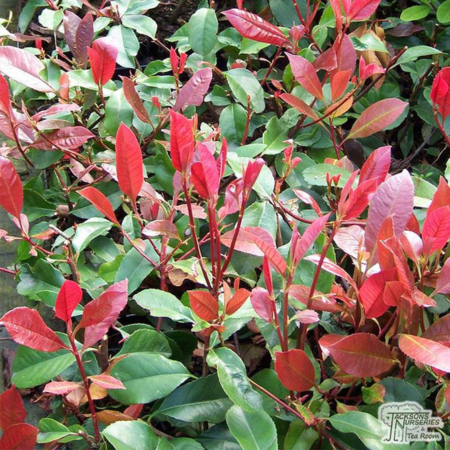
[362, 424]
[142, 24]
[233, 378]
[274, 137]
[232, 124]
[89, 230]
[202, 31]
[28, 12]
[127, 43]
[50, 430]
[253, 430]
[32, 367]
[147, 378]
[117, 110]
[146, 341]
[261, 214]
[443, 12]
[163, 304]
[423, 192]
[200, 401]
[299, 437]
[416, 52]
[368, 42]
[268, 379]
[243, 83]
[132, 435]
[415, 13]
[35, 206]
[135, 267]
[285, 13]
[219, 437]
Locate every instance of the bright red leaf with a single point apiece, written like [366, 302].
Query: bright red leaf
[11, 192]
[362, 9]
[5, 102]
[305, 74]
[377, 165]
[100, 201]
[204, 305]
[295, 370]
[440, 92]
[441, 197]
[21, 436]
[238, 299]
[181, 141]
[436, 230]
[443, 281]
[69, 297]
[262, 304]
[102, 56]
[12, 411]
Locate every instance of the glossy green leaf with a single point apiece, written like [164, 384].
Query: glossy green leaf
[142, 24]
[415, 13]
[118, 111]
[88, 231]
[243, 83]
[146, 341]
[443, 12]
[232, 124]
[50, 430]
[133, 435]
[127, 43]
[202, 31]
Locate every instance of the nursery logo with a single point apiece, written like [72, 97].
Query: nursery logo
[409, 422]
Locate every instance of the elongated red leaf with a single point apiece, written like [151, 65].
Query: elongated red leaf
[308, 199]
[345, 54]
[5, 101]
[358, 199]
[377, 117]
[436, 230]
[69, 138]
[205, 176]
[326, 61]
[377, 165]
[26, 327]
[11, 192]
[23, 67]
[237, 301]
[300, 106]
[371, 293]
[129, 163]
[319, 301]
[103, 56]
[426, 351]
[441, 197]
[305, 73]
[106, 381]
[21, 436]
[61, 387]
[443, 281]
[100, 314]
[295, 370]
[439, 331]
[339, 84]
[193, 92]
[69, 297]
[181, 141]
[362, 355]
[134, 100]
[363, 9]
[262, 304]
[55, 109]
[12, 410]
[83, 38]
[204, 305]
[100, 201]
[394, 197]
[254, 27]
[440, 92]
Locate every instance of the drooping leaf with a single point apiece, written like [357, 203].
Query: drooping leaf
[204, 305]
[11, 192]
[439, 331]
[106, 381]
[295, 370]
[129, 163]
[193, 92]
[26, 327]
[377, 117]
[12, 411]
[305, 73]
[69, 297]
[21, 436]
[100, 201]
[254, 27]
[23, 67]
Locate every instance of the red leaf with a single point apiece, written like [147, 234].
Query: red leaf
[308, 199]
[78, 34]
[307, 316]
[193, 92]
[69, 297]
[69, 138]
[412, 244]
[134, 410]
[319, 301]
[11, 192]
[440, 330]
[204, 305]
[21, 436]
[134, 100]
[26, 327]
[345, 54]
[394, 197]
[327, 340]
[326, 61]
[161, 228]
[262, 304]
[103, 56]
[100, 314]
[441, 197]
[23, 67]
[339, 84]
[61, 387]
[245, 240]
[305, 74]
[426, 351]
[12, 410]
[100, 201]
[181, 141]
[371, 293]
[129, 163]
[358, 200]
[443, 281]
[440, 92]
[436, 230]
[107, 381]
[254, 27]
[362, 355]
[377, 165]
[362, 9]
[351, 240]
[309, 237]
[55, 109]
[237, 301]
[300, 106]
[205, 176]
[295, 370]
[5, 102]
[377, 117]
[251, 173]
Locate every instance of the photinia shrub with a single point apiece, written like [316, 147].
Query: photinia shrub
[231, 236]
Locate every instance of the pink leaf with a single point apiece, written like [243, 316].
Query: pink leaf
[161, 228]
[440, 330]
[308, 199]
[60, 387]
[443, 281]
[362, 9]
[377, 165]
[350, 240]
[307, 316]
[106, 381]
[11, 192]
[436, 230]
[193, 92]
[319, 301]
[26, 327]
[305, 74]
[262, 304]
[67, 138]
[69, 296]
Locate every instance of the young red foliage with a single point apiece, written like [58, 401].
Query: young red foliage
[376, 166]
[11, 192]
[238, 299]
[100, 201]
[26, 327]
[69, 296]
[5, 101]
[362, 9]
[106, 381]
[262, 304]
[181, 141]
[21, 436]
[60, 387]
[12, 411]
[441, 197]
[440, 92]
[194, 91]
[204, 305]
[443, 281]
[134, 100]
[305, 74]
[436, 230]
[102, 56]
[295, 370]
[129, 163]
